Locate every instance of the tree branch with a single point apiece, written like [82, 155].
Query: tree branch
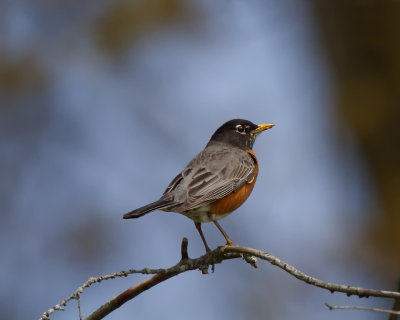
[129, 294]
[362, 308]
[202, 263]
[332, 287]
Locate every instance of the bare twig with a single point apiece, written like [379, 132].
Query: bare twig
[90, 281]
[184, 246]
[362, 308]
[78, 298]
[202, 263]
[332, 287]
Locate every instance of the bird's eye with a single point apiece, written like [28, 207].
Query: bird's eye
[239, 128]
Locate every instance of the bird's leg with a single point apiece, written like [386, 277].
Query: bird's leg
[229, 242]
[198, 227]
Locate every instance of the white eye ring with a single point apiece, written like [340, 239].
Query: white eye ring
[240, 129]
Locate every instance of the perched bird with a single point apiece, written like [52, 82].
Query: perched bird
[217, 181]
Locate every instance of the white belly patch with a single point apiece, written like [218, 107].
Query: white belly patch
[203, 215]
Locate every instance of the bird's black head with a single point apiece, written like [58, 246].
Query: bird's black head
[239, 133]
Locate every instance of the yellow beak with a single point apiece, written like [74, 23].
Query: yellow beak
[262, 127]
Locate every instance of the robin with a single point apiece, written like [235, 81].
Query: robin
[217, 181]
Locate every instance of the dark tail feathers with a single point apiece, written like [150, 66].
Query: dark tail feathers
[146, 209]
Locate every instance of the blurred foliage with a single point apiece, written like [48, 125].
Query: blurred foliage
[89, 242]
[126, 22]
[23, 115]
[362, 40]
[20, 76]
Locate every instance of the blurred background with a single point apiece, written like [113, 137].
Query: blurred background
[102, 103]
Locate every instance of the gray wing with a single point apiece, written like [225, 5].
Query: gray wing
[214, 175]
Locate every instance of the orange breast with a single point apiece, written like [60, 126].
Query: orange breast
[235, 199]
